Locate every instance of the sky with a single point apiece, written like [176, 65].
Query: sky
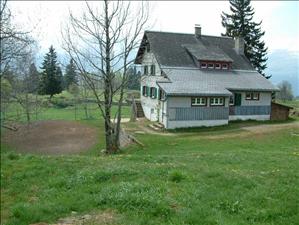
[280, 19]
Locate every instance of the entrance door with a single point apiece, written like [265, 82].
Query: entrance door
[238, 99]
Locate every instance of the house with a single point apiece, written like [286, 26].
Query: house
[192, 80]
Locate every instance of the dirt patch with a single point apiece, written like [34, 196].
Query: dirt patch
[52, 137]
[103, 218]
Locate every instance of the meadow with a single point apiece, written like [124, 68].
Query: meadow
[182, 178]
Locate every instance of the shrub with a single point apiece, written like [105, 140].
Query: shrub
[176, 176]
[13, 156]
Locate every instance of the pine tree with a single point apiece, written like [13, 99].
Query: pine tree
[33, 79]
[70, 75]
[51, 82]
[240, 24]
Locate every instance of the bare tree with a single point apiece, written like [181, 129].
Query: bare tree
[102, 41]
[14, 42]
[15, 48]
[285, 92]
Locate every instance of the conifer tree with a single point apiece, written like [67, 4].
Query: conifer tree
[240, 24]
[70, 74]
[51, 82]
[33, 79]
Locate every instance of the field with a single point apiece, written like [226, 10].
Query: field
[199, 176]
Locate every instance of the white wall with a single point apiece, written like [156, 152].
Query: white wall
[195, 123]
[151, 107]
[265, 99]
[185, 102]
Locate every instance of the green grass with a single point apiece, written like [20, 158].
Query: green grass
[181, 180]
[294, 103]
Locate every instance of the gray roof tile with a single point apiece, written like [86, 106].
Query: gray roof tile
[211, 82]
[170, 49]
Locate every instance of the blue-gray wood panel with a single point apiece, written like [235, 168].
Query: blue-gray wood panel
[199, 113]
[250, 110]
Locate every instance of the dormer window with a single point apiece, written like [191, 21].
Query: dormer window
[203, 65]
[210, 65]
[224, 66]
[217, 65]
[148, 48]
[145, 70]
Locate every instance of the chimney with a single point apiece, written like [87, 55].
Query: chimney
[239, 45]
[197, 30]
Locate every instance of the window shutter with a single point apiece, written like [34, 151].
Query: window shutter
[159, 93]
[148, 90]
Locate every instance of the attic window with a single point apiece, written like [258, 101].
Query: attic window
[148, 48]
[224, 66]
[210, 65]
[203, 65]
[217, 66]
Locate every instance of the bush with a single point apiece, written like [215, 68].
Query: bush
[61, 102]
[13, 156]
[176, 176]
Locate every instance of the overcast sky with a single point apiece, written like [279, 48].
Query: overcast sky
[280, 19]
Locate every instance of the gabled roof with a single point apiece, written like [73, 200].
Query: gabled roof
[192, 82]
[176, 49]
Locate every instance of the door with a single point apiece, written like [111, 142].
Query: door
[238, 99]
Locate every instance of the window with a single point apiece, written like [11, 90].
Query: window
[248, 96]
[153, 92]
[210, 65]
[224, 66]
[219, 101]
[256, 96]
[161, 95]
[144, 91]
[231, 100]
[148, 48]
[252, 96]
[145, 70]
[153, 70]
[203, 65]
[199, 101]
[217, 66]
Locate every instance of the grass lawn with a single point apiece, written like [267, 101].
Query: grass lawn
[183, 180]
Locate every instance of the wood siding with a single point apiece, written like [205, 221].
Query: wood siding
[198, 113]
[250, 110]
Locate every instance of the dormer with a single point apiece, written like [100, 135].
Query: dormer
[215, 65]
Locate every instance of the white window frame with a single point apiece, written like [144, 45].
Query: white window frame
[199, 101]
[211, 67]
[217, 67]
[226, 66]
[255, 96]
[217, 101]
[152, 92]
[202, 65]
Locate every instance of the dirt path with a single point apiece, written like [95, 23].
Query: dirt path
[52, 137]
[256, 130]
[142, 128]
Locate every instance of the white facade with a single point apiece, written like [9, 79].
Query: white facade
[152, 107]
[163, 111]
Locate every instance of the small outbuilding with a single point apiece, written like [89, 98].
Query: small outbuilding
[279, 111]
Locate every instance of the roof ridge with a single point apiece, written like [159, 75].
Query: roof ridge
[169, 32]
